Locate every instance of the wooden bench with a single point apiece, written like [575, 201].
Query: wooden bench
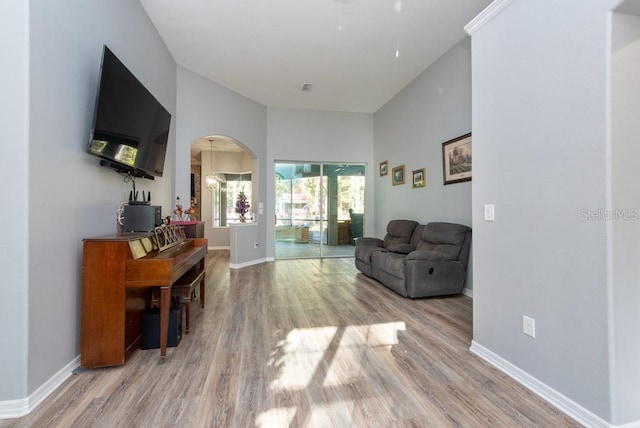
[185, 287]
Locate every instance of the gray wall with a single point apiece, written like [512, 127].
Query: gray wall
[69, 196]
[410, 130]
[540, 147]
[207, 108]
[625, 69]
[14, 176]
[318, 136]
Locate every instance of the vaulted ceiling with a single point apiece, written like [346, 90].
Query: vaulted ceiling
[357, 54]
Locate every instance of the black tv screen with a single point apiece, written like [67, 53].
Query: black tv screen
[131, 127]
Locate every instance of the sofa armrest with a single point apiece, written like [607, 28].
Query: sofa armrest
[401, 248]
[372, 242]
[433, 256]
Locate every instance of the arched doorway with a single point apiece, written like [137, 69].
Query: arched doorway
[230, 167]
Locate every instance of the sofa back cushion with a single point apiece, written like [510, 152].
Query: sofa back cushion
[399, 232]
[416, 236]
[448, 238]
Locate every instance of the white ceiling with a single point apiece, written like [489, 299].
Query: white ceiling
[216, 143]
[357, 53]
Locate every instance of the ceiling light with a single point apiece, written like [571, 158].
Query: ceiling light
[397, 53]
[307, 87]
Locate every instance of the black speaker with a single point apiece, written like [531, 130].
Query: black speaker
[151, 328]
[141, 218]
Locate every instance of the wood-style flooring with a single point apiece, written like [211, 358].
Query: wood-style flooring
[303, 343]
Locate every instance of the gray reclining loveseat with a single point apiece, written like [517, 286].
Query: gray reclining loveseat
[417, 260]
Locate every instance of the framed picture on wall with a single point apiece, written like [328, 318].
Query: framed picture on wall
[456, 159]
[384, 168]
[397, 175]
[419, 178]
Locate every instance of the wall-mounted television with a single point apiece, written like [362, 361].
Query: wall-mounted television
[130, 127]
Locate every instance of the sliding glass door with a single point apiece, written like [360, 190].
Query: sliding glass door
[319, 209]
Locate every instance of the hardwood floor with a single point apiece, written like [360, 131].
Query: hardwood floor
[303, 343]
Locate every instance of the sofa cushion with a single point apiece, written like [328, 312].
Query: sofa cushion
[389, 263]
[401, 248]
[432, 256]
[444, 238]
[416, 236]
[399, 232]
[365, 252]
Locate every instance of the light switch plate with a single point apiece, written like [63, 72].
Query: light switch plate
[529, 326]
[489, 212]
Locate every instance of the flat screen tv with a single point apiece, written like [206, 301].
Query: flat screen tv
[130, 127]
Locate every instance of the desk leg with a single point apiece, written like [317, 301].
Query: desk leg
[165, 297]
[202, 284]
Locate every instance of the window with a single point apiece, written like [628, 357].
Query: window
[225, 194]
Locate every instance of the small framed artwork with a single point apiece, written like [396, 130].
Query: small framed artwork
[456, 159]
[419, 178]
[384, 168]
[397, 175]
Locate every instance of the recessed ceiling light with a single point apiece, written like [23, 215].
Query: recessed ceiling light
[397, 53]
[307, 87]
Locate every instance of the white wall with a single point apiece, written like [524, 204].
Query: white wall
[70, 197]
[207, 108]
[540, 155]
[318, 136]
[625, 195]
[410, 130]
[14, 175]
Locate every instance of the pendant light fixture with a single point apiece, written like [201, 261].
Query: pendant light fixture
[210, 180]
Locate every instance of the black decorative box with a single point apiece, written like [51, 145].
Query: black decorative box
[151, 328]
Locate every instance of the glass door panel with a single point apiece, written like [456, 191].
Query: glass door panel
[299, 203]
[319, 209]
[345, 207]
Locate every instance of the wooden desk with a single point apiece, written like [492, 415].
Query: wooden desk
[115, 292]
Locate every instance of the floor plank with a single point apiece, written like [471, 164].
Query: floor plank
[303, 343]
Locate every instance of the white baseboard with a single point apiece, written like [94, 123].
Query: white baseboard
[250, 263]
[467, 292]
[563, 403]
[211, 248]
[17, 408]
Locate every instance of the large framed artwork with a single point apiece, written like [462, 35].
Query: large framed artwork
[456, 159]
